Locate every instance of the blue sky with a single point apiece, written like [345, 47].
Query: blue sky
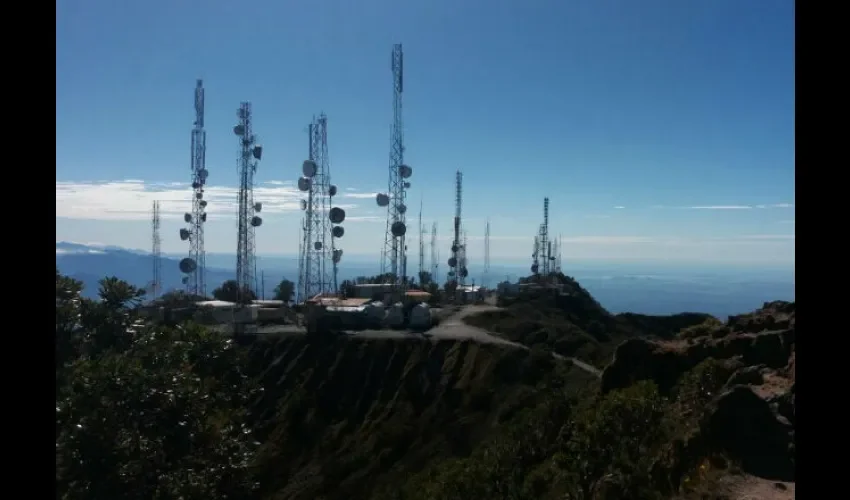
[660, 129]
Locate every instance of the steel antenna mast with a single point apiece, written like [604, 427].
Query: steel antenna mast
[197, 279]
[394, 252]
[320, 254]
[247, 219]
[156, 251]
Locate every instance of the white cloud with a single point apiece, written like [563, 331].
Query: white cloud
[132, 199]
[724, 207]
[720, 207]
[619, 207]
[365, 218]
[359, 195]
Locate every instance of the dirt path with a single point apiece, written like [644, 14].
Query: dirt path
[455, 327]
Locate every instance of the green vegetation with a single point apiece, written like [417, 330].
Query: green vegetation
[284, 291]
[573, 323]
[229, 291]
[149, 411]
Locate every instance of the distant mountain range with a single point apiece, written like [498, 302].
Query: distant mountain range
[647, 288]
[91, 263]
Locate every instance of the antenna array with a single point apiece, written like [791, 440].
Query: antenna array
[435, 256]
[156, 252]
[319, 253]
[457, 262]
[421, 246]
[194, 266]
[248, 220]
[486, 277]
[394, 253]
[542, 257]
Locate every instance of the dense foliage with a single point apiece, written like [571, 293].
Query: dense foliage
[145, 411]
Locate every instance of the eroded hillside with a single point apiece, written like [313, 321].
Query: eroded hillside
[344, 417]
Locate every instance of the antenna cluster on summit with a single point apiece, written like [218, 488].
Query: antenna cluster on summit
[321, 227]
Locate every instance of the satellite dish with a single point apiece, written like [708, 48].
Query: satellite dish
[317, 245]
[256, 221]
[463, 272]
[332, 190]
[336, 215]
[187, 217]
[309, 168]
[203, 203]
[534, 268]
[184, 234]
[258, 207]
[402, 208]
[398, 228]
[452, 262]
[303, 204]
[338, 231]
[185, 280]
[406, 185]
[337, 255]
[203, 173]
[199, 195]
[204, 217]
[239, 130]
[188, 265]
[304, 184]
[382, 199]
[451, 274]
[405, 171]
[257, 152]
[455, 248]
[196, 185]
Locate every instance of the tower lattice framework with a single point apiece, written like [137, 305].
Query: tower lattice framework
[247, 218]
[319, 255]
[156, 252]
[196, 280]
[394, 253]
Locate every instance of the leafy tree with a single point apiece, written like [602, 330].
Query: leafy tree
[159, 414]
[229, 291]
[347, 287]
[284, 291]
[425, 278]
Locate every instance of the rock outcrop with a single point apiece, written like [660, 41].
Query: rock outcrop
[753, 417]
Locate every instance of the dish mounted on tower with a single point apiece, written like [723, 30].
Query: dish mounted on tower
[248, 219]
[394, 253]
[194, 266]
[320, 255]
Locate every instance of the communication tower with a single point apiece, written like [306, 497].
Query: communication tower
[435, 256]
[247, 216]
[195, 267]
[321, 228]
[394, 253]
[421, 243]
[156, 252]
[457, 262]
[485, 278]
[543, 257]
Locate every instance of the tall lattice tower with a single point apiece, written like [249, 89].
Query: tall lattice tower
[421, 246]
[321, 227]
[485, 278]
[247, 215]
[195, 266]
[156, 253]
[394, 253]
[542, 257]
[435, 256]
[457, 262]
